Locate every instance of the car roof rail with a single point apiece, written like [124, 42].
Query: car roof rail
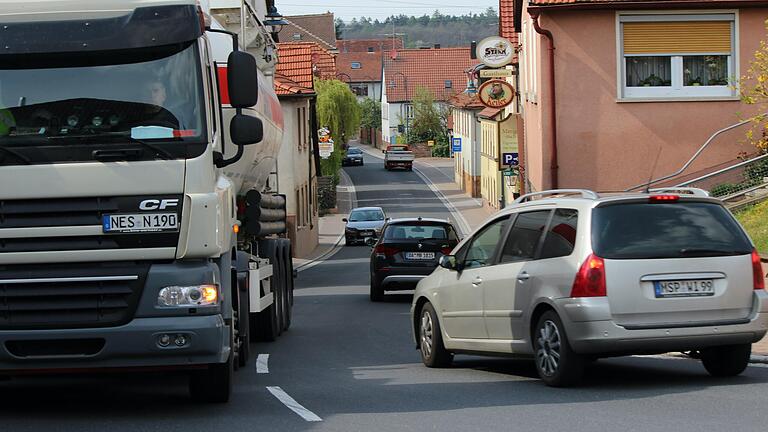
[585, 193]
[681, 190]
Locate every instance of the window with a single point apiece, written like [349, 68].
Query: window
[524, 236]
[677, 56]
[359, 89]
[420, 232]
[481, 252]
[408, 111]
[356, 65]
[561, 235]
[448, 84]
[676, 230]
[370, 49]
[297, 36]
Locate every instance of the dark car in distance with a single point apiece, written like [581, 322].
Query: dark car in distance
[363, 223]
[354, 156]
[408, 250]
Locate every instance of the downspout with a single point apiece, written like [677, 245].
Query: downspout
[552, 99]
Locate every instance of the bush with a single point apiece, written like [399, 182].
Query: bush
[723, 189]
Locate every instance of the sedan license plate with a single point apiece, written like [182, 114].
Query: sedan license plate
[133, 223]
[420, 255]
[684, 288]
[366, 233]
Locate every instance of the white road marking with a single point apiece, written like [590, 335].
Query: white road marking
[463, 227]
[262, 364]
[294, 406]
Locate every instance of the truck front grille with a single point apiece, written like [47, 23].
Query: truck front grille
[75, 296]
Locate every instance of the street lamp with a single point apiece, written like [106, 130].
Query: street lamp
[405, 82]
[274, 21]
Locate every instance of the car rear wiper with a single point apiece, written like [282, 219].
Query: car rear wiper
[16, 155]
[159, 151]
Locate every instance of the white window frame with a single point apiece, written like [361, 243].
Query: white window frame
[677, 91]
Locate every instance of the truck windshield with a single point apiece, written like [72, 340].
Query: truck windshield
[67, 103]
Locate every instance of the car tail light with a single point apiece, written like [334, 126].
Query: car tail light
[446, 250]
[758, 277]
[383, 251]
[590, 280]
[663, 198]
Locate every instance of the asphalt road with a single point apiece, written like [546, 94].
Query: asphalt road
[352, 364]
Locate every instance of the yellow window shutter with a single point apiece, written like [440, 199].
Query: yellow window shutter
[677, 37]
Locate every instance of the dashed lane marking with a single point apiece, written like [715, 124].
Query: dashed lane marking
[262, 364]
[294, 406]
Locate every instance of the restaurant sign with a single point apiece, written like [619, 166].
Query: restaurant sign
[496, 93]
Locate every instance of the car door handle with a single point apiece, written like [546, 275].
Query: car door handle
[524, 276]
[478, 281]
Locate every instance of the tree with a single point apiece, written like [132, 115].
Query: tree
[338, 24]
[754, 91]
[370, 114]
[430, 121]
[337, 109]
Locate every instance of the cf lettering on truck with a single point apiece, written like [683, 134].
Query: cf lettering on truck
[136, 142]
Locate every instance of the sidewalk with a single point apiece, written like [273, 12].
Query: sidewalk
[331, 226]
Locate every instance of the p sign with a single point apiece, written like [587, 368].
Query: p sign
[510, 159]
[456, 144]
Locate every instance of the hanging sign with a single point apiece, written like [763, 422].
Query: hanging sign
[509, 150]
[325, 146]
[495, 51]
[495, 73]
[496, 93]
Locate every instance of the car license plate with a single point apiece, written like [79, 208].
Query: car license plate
[367, 233]
[419, 255]
[684, 288]
[130, 223]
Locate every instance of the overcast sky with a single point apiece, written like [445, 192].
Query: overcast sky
[348, 9]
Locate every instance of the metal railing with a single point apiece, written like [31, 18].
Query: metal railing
[739, 184]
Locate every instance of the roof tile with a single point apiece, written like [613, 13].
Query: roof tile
[299, 63]
[506, 20]
[369, 70]
[430, 68]
[318, 28]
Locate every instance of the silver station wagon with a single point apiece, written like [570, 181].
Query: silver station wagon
[575, 275]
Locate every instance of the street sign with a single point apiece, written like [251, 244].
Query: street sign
[495, 73]
[431, 143]
[326, 148]
[495, 51]
[510, 159]
[496, 93]
[456, 144]
[508, 144]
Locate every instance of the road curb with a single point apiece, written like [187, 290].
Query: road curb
[336, 247]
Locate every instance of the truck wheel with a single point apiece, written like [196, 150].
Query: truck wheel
[243, 320]
[214, 384]
[278, 281]
[269, 319]
[284, 249]
[726, 361]
[266, 325]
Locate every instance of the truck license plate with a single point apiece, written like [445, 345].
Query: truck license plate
[419, 255]
[684, 288]
[130, 223]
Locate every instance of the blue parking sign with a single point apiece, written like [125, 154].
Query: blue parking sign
[456, 144]
[510, 159]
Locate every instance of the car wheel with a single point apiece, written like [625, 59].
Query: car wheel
[377, 293]
[556, 363]
[724, 361]
[433, 352]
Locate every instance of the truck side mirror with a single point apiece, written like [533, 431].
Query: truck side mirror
[242, 79]
[244, 130]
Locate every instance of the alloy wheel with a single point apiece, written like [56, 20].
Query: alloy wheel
[548, 348]
[426, 334]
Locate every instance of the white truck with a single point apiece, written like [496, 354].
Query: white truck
[398, 156]
[137, 226]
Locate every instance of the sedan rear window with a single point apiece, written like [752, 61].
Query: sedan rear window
[366, 216]
[675, 230]
[419, 232]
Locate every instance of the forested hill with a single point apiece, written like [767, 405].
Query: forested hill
[426, 30]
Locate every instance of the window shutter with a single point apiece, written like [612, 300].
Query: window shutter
[677, 37]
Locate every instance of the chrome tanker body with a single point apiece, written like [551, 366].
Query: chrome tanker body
[136, 143]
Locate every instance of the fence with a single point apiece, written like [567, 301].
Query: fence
[738, 185]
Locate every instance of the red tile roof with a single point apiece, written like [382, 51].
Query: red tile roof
[362, 45]
[489, 113]
[466, 101]
[318, 28]
[299, 63]
[640, 3]
[506, 20]
[370, 66]
[430, 68]
[285, 86]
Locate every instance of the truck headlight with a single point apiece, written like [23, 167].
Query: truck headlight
[186, 296]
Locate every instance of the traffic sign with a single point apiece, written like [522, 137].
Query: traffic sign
[456, 144]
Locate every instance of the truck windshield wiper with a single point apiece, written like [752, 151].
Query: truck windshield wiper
[15, 154]
[158, 150]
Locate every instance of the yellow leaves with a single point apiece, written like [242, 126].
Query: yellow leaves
[754, 91]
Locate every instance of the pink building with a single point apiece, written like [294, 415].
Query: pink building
[638, 86]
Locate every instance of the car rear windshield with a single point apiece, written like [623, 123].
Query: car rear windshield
[353, 150]
[405, 232]
[674, 230]
[366, 216]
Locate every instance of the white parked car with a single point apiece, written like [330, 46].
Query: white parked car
[577, 275]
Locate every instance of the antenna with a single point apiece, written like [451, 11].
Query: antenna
[653, 169]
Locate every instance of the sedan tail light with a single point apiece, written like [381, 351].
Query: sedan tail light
[590, 280]
[758, 277]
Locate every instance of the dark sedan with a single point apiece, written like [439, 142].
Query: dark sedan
[408, 251]
[354, 156]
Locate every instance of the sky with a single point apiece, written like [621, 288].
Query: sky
[348, 9]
